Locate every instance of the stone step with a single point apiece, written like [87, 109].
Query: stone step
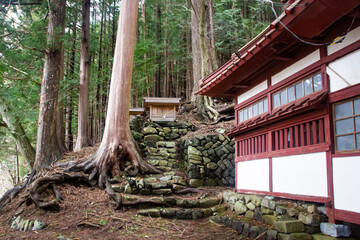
[177, 201]
[180, 213]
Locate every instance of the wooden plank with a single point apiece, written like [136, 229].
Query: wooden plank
[321, 131]
[302, 135]
[297, 143]
[308, 134]
[281, 138]
[276, 140]
[314, 133]
[256, 145]
[291, 129]
[286, 138]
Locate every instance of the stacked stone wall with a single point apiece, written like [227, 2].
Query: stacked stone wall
[209, 160]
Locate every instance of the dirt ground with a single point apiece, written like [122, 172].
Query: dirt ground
[87, 213]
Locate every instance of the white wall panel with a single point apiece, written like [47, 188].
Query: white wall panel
[294, 68]
[346, 173]
[350, 38]
[253, 175]
[252, 92]
[344, 72]
[303, 174]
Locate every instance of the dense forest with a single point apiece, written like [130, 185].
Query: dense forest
[178, 42]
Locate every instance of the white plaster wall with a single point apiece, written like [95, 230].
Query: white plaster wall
[350, 38]
[294, 68]
[344, 72]
[303, 174]
[347, 183]
[253, 175]
[252, 92]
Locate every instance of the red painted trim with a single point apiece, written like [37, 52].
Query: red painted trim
[330, 188]
[352, 154]
[276, 140]
[301, 150]
[302, 135]
[291, 137]
[314, 132]
[281, 138]
[270, 175]
[321, 131]
[308, 137]
[286, 138]
[252, 157]
[297, 143]
[347, 216]
[349, 92]
[286, 195]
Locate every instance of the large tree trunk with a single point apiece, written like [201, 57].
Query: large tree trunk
[203, 12]
[117, 143]
[47, 148]
[83, 110]
[196, 52]
[14, 126]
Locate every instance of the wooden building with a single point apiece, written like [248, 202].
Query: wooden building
[298, 107]
[161, 109]
[136, 111]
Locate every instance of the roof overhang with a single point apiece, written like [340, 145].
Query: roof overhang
[311, 20]
[161, 101]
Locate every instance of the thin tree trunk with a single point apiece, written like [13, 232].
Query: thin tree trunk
[47, 148]
[15, 128]
[60, 124]
[157, 79]
[147, 80]
[83, 109]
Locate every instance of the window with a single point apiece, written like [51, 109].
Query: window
[253, 110]
[299, 90]
[347, 125]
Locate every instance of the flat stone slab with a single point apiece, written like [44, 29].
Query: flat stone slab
[294, 236]
[289, 226]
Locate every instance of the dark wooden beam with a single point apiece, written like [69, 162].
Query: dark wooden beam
[282, 58]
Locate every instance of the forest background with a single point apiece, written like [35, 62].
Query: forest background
[164, 64]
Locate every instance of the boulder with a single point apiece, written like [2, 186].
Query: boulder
[212, 165]
[310, 219]
[335, 230]
[209, 202]
[196, 182]
[271, 235]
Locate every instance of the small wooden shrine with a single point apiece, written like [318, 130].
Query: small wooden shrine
[161, 109]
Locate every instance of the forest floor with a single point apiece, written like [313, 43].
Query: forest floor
[87, 213]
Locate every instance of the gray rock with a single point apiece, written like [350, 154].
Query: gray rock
[240, 208]
[250, 206]
[162, 191]
[335, 230]
[39, 225]
[196, 182]
[168, 212]
[238, 226]
[170, 144]
[294, 226]
[184, 214]
[210, 182]
[196, 214]
[269, 219]
[322, 210]
[257, 214]
[150, 130]
[221, 131]
[282, 210]
[246, 230]
[212, 165]
[152, 212]
[268, 203]
[209, 202]
[128, 189]
[271, 235]
[310, 219]
[152, 139]
[157, 185]
[256, 231]
[194, 175]
[294, 236]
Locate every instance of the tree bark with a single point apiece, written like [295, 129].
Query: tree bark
[47, 148]
[60, 124]
[117, 143]
[14, 126]
[83, 109]
[195, 43]
[157, 80]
